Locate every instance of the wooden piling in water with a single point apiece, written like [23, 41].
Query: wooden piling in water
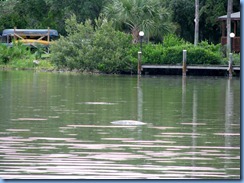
[139, 63]
[230, 69]
[184, 63]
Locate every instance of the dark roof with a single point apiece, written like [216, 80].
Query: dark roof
[234, 16]
[29, 32]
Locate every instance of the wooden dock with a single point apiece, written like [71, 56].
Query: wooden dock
[237, 68]
[230, 68]
[192, 69]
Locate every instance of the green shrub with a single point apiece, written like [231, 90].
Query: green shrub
[85, 48]
[20, 63]
[152, 53]
[4, 54]
[236, 59]
[199, 55]
[195, 55]
[210, 47]
[158, 54]
[13, 55]
[173, 55]
[110, 50]
[172, 40]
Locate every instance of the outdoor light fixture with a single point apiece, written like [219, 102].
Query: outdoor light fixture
[141, 33]
[232, 35]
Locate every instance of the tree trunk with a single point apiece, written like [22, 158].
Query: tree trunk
[228, 26]
[135, 35]
[196, 36]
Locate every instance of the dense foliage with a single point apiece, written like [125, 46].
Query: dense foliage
[46, 13]
[171, 52]
[106, 50]
[11, 54]
[53, 13]
[149, 16]
[183, 14]
[91, 39]
[103, 49]
[20, 57]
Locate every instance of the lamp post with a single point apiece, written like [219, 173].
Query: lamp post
[232, 35]
[141, 34]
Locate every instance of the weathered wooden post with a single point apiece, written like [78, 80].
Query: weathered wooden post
[48, 39]
[139, 63]
[184, 63]
[14, 34]
[48, 36]
[230, 64]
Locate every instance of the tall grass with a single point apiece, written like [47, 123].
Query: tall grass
[21, 57]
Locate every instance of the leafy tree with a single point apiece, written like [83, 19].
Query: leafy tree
[147, 15]
[33, 12]
[183, 15]
[152, 16]
[8, 17]
[209, 26]
[59, 11]
[46, 13]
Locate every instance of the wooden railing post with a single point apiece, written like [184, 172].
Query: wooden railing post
[230, 64]
[184, 63]
[139, 63]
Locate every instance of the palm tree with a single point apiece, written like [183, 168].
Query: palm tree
[196, 36]
[147, 15]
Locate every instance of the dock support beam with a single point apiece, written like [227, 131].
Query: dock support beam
[48, 39]
[15, 38]
[230, 69]
[48, 35]
[139, 63]
[184, 63]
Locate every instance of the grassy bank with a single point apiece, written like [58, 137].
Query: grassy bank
[22, 58]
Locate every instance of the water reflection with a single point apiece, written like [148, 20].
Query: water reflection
[229, 111]
[190, 131]
[194, 128]
[139, 100]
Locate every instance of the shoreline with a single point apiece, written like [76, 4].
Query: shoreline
[145, 72]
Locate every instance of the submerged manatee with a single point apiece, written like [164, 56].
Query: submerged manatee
[128, 122]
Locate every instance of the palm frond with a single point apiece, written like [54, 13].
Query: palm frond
[146, 15]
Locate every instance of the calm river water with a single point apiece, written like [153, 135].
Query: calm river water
[58, 126]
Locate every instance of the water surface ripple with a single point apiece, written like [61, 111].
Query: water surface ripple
[58, 126]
